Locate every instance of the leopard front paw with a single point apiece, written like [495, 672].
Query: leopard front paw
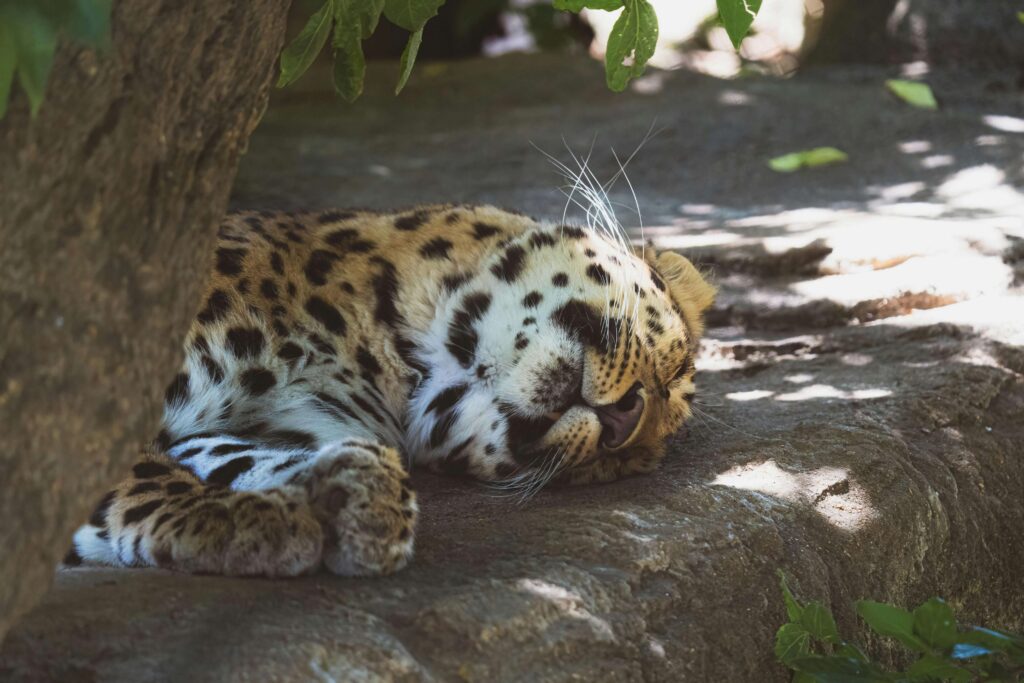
[359, 493]
[237, 533]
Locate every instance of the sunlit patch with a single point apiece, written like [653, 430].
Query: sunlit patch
[978, 356]
[632, 518]
[829, 490]
[981, 187]
[1007, 124]
[753, 395]
[857, 360]
[915, 147]
[655, 647]
[964, 275]
[900, 190]
[690, 241]
[649, 84]
[799, 378]
[997, 317]
[735, 98]
[568, 602]
[990, 140]
[819, 391]
[937, 161]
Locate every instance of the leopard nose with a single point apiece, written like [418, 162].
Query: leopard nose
[620, 419]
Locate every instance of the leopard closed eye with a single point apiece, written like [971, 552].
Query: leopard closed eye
[334, 350]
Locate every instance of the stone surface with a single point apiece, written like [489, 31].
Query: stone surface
[107, 214]
[868, 449]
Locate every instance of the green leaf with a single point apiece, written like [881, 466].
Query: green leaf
[358, 14]
[297, 57]
[36, 40]
[931, 667]
[916, 94]
[411, 14]
[992, 639]
[838, 669]
[819, 156]
[851, 651]
[8, 62]
[577, 5]
[89, 21]
[409, 58]
[349, 68]
[737, 16]
[1020, 17]
[935, 623]
[635, 33]
[891, 622]
[793, 607]
[818, 621]
[791, 641]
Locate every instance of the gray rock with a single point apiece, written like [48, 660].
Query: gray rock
[869, 456]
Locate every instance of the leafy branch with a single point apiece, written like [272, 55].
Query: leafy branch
[31, 29]
[811, 646]
[631, 44]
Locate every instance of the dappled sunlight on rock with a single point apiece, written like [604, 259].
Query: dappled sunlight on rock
[817, 391]
[752, 395]
[829, 490]
[735, 98]
[649, 84]
[989, 140]
[982, 187]
[966, 275]
[937, 161]
[568, 602]
[718, 355]
[1007, 124]
[915, 146]
[997, 317]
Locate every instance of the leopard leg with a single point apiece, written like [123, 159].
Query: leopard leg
[225, 505]
[359, 492]
[165, 516]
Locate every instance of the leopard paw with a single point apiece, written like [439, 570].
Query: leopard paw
[237, 533]
[359, 492]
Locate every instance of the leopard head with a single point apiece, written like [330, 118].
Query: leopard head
[568, 356]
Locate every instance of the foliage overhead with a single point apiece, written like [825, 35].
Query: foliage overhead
[810, 644]
[29, 30]
[630, 45]
[737, 16]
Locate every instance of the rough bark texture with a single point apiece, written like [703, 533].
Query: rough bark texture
[962, 33]
[875, 460]
[108, 208]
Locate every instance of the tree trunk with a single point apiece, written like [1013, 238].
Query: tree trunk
[107, 214]
[961, 33]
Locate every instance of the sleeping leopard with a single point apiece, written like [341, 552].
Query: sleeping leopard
[334, 350]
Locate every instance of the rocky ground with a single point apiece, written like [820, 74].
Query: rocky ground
[861, 415]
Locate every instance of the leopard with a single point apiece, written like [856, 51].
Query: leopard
[335, 350]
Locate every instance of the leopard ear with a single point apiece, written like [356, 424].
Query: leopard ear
[687, 287]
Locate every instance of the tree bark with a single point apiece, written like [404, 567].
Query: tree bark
[107, 215]
[961, 33]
